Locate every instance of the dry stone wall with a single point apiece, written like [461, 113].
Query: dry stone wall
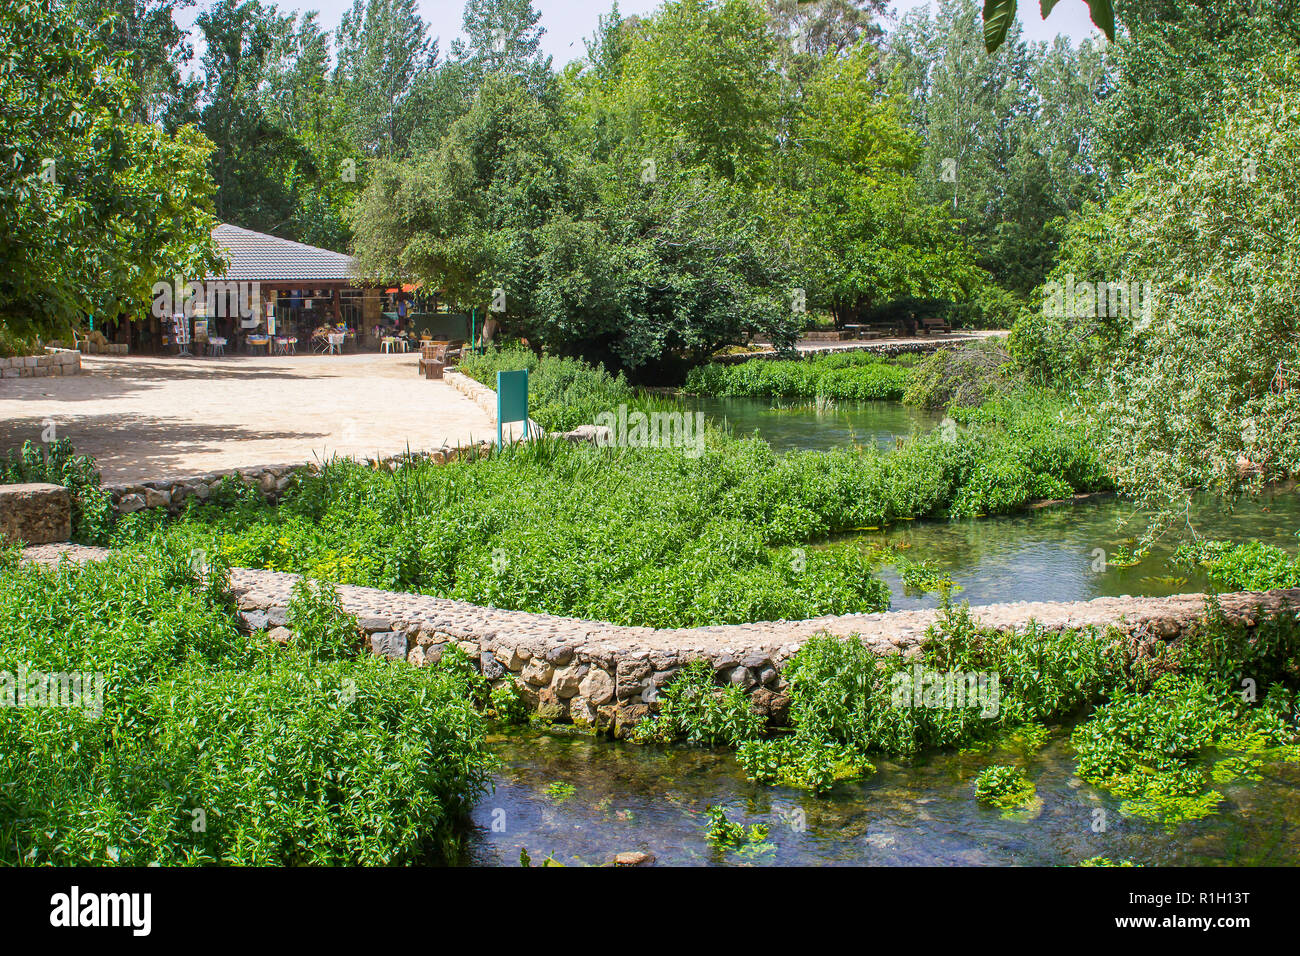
[608, 676]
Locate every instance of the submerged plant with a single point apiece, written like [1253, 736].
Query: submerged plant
[1004, 787]
[724, 834]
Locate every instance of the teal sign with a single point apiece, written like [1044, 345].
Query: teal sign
[512, 399]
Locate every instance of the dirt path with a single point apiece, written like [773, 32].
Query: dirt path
[147, 417]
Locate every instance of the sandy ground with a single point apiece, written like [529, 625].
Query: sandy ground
[145, 417]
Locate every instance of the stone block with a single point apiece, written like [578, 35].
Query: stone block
[35, 513]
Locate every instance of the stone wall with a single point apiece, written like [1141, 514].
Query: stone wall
[270, 480]
[35, 513]
[53, 362]
[884, 349]
[608, 676]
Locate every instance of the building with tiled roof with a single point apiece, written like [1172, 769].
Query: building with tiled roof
[256, 257]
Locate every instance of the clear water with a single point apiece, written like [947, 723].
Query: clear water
[654, 800]
[580, 801]
[805, 427]
[1046, 554]
[1051, 553]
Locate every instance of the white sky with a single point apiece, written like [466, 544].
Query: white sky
[568, 22]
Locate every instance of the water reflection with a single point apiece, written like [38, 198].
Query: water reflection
[653, 800]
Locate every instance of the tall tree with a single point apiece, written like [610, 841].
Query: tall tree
[385, 56]
[146, 32]
[698, 86]
[1175, 61]
[1008, 136]
[503, 39]
[94, 207]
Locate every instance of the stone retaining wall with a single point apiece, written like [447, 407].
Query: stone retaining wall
[608, 676]
[885, 349]
[53, 362]
[270, 480]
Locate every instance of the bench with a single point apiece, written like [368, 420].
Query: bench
[930, 326]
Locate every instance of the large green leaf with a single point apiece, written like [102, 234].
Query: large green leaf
[998, 15]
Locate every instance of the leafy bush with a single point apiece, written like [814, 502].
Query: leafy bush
[727, 833]
[693, 709]
[1234, 692]
[214, 746]
[646, 536]
[317, 618]
[963, 375]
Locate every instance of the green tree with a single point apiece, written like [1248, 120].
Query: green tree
[1174, 64]
[94, 208]
[503, 39]
[698, 86]
[1008, 137]
[385, 57]
[146, 32]
[868, 236]
[1186, 333]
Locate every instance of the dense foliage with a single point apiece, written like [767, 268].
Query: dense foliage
[653, 536]
[852, 376]
[1181, 326]
[95, 205]
[1159, 729]
[214, 746]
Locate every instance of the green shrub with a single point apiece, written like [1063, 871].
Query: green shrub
[847, 376]
[214, 746]
[645, 536]
[693, 709]
[317, 619]
[962, 375]
[724, 833]
[563, 393]
[1252, 566]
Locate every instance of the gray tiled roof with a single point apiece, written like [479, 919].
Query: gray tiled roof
[254, 256]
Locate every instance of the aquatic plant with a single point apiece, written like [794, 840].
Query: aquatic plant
[1004, 787]
[693, 709]
[727, 834]
[848, 376]
[1250, 566]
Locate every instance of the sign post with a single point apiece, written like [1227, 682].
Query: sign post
[512, 400]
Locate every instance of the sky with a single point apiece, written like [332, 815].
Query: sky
[568, 22]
